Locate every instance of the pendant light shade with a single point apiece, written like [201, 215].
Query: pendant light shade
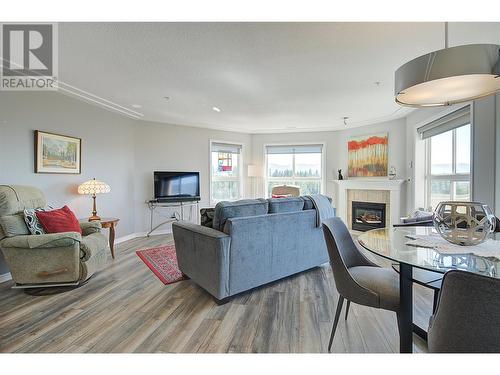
[449, 76]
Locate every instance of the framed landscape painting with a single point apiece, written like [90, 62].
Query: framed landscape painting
[368, 155]
[56, 153]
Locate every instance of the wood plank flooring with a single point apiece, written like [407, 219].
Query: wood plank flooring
[125, 308]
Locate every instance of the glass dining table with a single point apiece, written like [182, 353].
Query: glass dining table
[392, 244]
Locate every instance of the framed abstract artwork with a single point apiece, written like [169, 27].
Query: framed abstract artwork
[368, 155]
[55, 153]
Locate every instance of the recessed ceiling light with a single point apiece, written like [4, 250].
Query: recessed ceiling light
[216, 109]
[166, 97]
[136, 105]
[345, 118]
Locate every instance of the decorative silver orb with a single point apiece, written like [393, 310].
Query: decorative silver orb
[464, 223]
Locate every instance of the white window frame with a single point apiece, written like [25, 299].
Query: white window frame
[213, 178]
[267, 179]
[453, 177]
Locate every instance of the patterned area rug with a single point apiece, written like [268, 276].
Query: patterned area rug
[163, 262]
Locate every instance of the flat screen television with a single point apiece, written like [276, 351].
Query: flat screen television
[177, 186]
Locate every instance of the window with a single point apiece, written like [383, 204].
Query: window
[449, 165]
[295, 165]
[225, 171]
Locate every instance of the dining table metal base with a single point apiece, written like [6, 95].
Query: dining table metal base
[405, 316]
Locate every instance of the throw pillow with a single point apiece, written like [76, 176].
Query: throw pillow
[32, 221]
[207, 217]
[58, 221]
[281, 196]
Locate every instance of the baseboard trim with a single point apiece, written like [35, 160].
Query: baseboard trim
[141, 234]
[125, 238]
[5, 277]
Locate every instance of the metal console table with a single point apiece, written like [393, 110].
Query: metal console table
[154, 204]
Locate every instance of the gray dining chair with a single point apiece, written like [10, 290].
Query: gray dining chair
[467, 318]
[357, 279]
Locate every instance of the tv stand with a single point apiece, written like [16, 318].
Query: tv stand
[180, 204]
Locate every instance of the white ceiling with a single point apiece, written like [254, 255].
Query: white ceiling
[265, 77]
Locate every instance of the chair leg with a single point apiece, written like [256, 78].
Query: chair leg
[347, 309]
[336, 320]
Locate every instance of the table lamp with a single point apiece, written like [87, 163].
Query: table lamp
[93, 187]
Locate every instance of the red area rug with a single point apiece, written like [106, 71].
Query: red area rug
[163, 262]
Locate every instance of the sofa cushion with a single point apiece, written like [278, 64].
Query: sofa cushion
[14, 225]
[58, 221]
[241, 208]
[279, 205]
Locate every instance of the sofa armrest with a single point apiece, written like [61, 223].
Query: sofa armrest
[92, 244]
[42, 241]
[90, 227]
[199, 229]
[203, 255]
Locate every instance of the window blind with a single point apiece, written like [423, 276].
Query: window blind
[226, 147]
[297, 149]
[451, 121]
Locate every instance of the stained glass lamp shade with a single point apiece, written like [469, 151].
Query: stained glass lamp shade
[94, 187]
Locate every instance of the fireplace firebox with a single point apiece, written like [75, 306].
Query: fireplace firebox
[368, 215]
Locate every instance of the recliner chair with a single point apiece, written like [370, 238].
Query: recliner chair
[289, 190]
[47, 259]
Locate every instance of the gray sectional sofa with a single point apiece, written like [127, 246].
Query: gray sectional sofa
[251, 243]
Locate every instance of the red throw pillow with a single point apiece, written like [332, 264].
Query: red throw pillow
[58, 221]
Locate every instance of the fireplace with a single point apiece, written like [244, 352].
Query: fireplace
[368, 215]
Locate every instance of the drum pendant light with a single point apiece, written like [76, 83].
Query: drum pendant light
[449, 76]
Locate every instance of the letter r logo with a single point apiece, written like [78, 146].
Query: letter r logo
[27, 49]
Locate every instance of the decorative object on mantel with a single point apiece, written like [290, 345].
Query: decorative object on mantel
[93, 187]
[340, 174]
[464, 223]
[487, 249]
[56, 153]
[368, 156]
[392, 172]
[449, 76]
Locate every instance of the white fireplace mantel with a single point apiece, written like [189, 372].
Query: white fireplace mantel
[393, 186]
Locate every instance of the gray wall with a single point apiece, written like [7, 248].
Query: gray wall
[107, 152]
[125, 152]
[483, 151]
[176, 148]
[336, 149]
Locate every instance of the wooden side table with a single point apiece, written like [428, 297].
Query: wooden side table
[111, 223]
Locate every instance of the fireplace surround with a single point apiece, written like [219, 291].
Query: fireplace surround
[370, 190]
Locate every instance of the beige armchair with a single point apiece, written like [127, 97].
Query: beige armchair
[290, 190]
[47, 259]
